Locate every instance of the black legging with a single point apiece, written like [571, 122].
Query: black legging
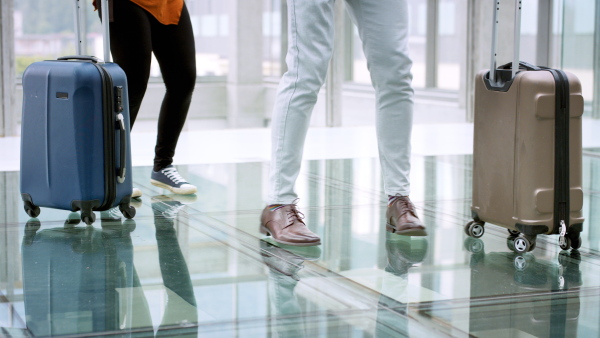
[134, 35]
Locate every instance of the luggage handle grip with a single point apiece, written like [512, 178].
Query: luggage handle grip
[80, 57]
[121, 172]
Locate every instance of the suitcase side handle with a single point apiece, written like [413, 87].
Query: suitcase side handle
[122, 171]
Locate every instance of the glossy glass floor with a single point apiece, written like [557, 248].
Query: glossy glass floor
[197, 265]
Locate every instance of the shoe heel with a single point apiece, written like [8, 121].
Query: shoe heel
[264, 231]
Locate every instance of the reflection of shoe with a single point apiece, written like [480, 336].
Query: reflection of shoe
[404, 252]
[287, 261]
[402, 218]
[168, 206]
[168, 178]
[286, 226]
[137, 193]
[113, 214]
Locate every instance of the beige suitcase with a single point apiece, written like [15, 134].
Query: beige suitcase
[527, 153]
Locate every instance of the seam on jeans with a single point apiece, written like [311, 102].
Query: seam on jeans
[287, 109]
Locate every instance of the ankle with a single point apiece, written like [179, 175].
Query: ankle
[392, 199]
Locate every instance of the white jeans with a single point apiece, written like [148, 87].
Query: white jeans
[383, 29]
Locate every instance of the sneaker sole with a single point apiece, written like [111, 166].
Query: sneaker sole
[136, 194]
[409, 232]
[179, 191]
[265, 231]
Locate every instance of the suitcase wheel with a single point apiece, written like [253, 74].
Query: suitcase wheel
[127, 211]
[72, 220]
[31, 209]
[522, 244]
[571, 240]
[513, 233]
[475, 229]
[88, 217]
[575, 241]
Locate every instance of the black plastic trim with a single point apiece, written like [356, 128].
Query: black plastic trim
[577, 227]
[561, 149]
[26, 198]
[110, 177]
[85, 205]
[532, 230]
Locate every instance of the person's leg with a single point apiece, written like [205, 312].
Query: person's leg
[131, 48]
[383, 28]
[310, 34]
[175, 51]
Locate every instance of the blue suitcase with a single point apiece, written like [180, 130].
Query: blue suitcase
[75, 142]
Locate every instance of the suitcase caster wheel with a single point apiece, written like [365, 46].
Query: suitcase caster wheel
[88, 218]
[575, 240]
[564, 242]
[72, 220]
[522, 245]
[127, 211]
[513, 232]
[32, 210]
[475, 229]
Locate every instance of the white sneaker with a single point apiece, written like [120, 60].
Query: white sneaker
[137, 193]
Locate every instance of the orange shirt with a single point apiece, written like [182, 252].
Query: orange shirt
[166, 12]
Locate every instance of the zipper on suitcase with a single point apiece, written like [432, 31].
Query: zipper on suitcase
[109, 139]
[561, 161]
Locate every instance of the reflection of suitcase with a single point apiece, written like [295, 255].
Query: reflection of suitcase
[77, 280]
[527, 152]
[528, 297]
[75, 152]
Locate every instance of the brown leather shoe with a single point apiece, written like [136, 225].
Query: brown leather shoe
[286, 226]
[402, 218]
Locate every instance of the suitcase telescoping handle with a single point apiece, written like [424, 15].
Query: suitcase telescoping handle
[105, 29]
[517, 39]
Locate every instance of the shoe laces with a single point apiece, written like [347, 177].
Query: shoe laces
[294, 214]
[173, 175]
[406, 205]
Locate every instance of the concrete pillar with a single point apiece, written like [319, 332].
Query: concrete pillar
[336, 71]
[479, 41]
[8, 117]
[245, 93]
[596, 102]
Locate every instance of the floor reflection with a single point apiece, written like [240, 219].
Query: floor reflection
[545, 293]
[198, 266]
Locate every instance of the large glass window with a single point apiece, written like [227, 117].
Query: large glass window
[44, 31]
[578, 43]
[272, 42]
